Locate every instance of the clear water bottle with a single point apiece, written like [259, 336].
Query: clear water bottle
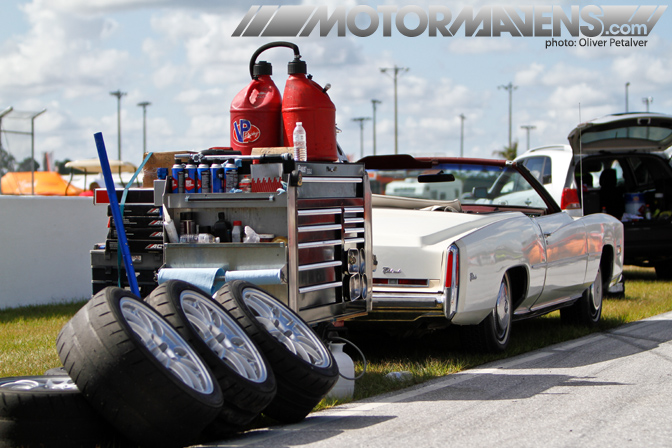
[300, 154]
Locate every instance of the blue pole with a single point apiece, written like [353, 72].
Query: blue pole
[116, 213]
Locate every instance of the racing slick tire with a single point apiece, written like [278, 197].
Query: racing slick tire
[137, 372]
[240, 368]
[305, 370]
[49, 412]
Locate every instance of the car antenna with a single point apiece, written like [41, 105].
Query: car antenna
[581, 163]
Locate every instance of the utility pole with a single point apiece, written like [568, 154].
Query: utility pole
[118, 94]
[528, 128]
[144, 105]
[462, 117]
[374, 103]
[627, 84]
[396, 70]
[648, 100]
[510, 87]
[361, 121]
[2, 114]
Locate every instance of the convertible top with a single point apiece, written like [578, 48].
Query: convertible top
[406, 161]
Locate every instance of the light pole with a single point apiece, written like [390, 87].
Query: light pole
[627, 84]
[374, 103]
[32, 149]
[510, 87]
[648, 100]
[361, 121]
[395, 70]
[528, 128]
[118, 94]
[462, 117]
[2, 114]
[144, 105]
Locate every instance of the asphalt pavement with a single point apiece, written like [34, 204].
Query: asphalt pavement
[604, 390]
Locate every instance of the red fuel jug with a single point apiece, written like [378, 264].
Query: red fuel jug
[306, 102]
[256, 116]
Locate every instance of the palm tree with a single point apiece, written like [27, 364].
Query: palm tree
[508, 153]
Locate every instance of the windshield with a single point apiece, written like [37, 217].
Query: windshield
[473, 184]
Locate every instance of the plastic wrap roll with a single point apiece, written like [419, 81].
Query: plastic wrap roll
[207, 279]
[258, 276]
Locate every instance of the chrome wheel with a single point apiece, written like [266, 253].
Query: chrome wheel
[34, 383]
[284, 326]
[166, 345]
[224, 336]
[596, 293]
[502, 311]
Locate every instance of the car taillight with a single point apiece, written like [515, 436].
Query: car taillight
[452, 280]
[570, 199]
[452, 268]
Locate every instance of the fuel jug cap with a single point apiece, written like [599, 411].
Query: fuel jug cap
[262, 68]
[297, 66]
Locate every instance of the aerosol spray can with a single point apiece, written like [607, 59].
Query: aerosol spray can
[177, 171]
[217, 177]
[190, 178]
[231, 173]
[204, 178]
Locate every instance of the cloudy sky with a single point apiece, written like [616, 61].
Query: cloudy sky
[66, 56]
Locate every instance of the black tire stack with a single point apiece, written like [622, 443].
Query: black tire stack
[175, 369]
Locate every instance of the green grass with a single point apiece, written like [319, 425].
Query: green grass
[28, 339]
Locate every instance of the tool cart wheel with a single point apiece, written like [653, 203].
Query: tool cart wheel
[240, 368]
[136, 370]
[304, 368]
[49, 411]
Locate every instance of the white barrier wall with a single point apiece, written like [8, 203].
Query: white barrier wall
[44, 248]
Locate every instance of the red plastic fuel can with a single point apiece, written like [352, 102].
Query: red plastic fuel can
[256, 112]
[306, 102]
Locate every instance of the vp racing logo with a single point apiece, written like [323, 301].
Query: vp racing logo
[440, 21]
[245, 132]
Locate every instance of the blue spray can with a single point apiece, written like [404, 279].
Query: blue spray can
[190, 178]
[177, 171]
[203, 172]
[217, 177]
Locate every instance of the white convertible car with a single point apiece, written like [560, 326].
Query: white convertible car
[492, 250]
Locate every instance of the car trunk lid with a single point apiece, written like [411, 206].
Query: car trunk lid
[643, 132]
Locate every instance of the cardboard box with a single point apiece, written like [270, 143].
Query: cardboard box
[158, 160]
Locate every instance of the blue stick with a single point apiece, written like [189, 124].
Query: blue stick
[116, 213]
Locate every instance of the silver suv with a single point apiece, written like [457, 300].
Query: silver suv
[622, 163]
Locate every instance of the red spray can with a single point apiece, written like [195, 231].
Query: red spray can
[256, 116]
[306, 102]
